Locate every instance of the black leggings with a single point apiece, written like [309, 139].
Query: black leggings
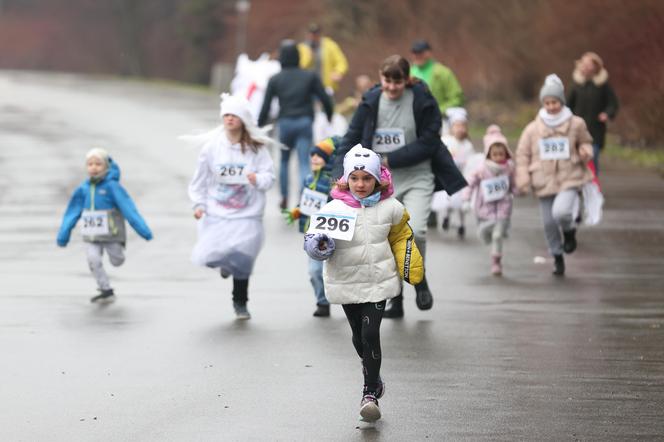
[364, 320]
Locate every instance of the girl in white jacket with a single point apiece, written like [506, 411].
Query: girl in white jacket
[233, 173]
[375, 247]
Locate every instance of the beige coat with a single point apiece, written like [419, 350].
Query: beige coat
[549, 177]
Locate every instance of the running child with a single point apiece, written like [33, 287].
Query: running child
[233, 173]
[461, 148]
[104, 205]
[315, 194]
[492, 186]
[375, 247]
[551, 161]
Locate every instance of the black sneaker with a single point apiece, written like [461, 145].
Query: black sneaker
[105, 297]
[369, 410]
[446, 223]
[394, 308]
[461, 232]
[423, 296]
[432, 221]
[569, 245]
[322, 310]
[558, 265]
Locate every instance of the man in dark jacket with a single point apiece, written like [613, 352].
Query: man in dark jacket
[295, 89]
[592, 98]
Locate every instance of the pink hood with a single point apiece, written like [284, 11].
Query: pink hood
[349, 199]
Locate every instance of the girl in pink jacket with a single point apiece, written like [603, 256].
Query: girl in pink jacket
[492, 187]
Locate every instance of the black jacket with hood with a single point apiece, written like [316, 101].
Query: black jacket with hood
[428, 144]
[295, 88]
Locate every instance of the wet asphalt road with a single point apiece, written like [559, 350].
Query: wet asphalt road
[524, 357]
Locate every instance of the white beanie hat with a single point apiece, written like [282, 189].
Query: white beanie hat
[457, 114]
[239, 106]
[98, 152]
[359, 158]
[553, 87]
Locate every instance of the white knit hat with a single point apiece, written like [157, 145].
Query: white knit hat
[553, 87]
[98, 152]
[457, 114]
[359, 158]
[239, 106]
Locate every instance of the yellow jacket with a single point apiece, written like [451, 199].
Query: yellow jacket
[408, 258]
[333, 60]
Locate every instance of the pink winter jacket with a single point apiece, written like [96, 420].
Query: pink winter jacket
[494, 210]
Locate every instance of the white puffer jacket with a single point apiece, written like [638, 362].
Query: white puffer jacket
[364, 269]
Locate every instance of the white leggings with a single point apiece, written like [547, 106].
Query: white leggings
[95, 253]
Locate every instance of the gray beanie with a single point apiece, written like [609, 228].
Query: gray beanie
[553, 87]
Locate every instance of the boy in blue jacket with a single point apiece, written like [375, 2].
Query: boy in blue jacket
[317, 187]
[104, 205]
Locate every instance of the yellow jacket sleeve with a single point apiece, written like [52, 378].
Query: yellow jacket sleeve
[408, 258]
[306, 56]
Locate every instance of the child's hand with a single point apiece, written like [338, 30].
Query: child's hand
[319, 246]
[252, 178]
[198, 213]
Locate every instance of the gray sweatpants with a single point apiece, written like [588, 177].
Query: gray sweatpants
[492, 232]
[413, 187]
[95, 252]
[558, 213]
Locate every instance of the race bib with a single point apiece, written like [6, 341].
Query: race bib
[312, 201]
[337, 225]
[388, 140]
[231, 173]
[95, 223]
[494, 189]
[554, 148]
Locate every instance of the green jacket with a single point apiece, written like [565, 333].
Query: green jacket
[443, 84]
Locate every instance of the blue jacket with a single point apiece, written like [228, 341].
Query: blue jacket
[105, 195]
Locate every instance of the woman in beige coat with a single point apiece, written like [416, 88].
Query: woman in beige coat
[551, 160]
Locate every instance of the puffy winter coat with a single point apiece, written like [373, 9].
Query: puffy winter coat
[107, 194]
[549, 177]
[491, 210]
[368, 268]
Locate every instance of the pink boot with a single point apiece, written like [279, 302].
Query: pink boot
[496, 268]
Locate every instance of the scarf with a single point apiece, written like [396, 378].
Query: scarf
[368, 201]
[555, 120]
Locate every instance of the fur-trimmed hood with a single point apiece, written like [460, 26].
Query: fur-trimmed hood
[599, 79]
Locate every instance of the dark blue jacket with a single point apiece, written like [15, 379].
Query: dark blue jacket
[428, 144]
[104, 195]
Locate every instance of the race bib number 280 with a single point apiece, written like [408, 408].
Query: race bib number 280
[337, 225]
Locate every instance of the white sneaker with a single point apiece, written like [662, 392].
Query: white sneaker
[369, 410]
[241, 311]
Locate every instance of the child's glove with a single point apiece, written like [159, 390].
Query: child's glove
[318, 246]
[290, 215]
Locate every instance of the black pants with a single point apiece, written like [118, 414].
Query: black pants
[364, 320]
[240, 288]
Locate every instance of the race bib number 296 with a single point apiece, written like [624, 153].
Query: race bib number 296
[335, 225]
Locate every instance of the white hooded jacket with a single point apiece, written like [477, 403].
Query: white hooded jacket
[219, 159]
